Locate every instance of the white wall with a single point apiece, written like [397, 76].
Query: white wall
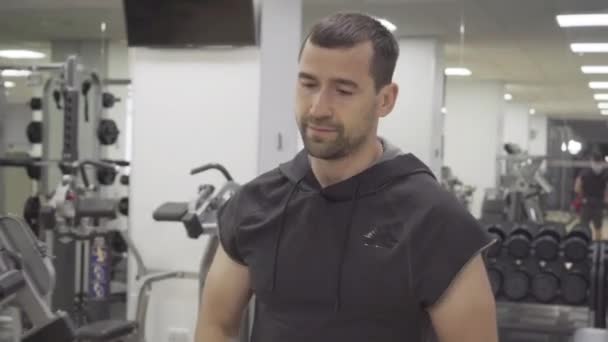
[415, 125]
[516, 125]
[15, 117]
[473, 133]
[538, 135]
[280, 45]
[190, 108]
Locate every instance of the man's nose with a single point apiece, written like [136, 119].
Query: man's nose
[321, 106]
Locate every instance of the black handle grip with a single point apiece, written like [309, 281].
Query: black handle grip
[171, 211]
[117, 162]
[19, 162]
[207, 167]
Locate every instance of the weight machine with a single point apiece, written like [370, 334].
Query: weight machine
[199, 217]
[519, 195]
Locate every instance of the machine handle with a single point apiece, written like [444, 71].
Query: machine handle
[207, 167]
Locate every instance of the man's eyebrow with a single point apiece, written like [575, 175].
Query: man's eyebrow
[339, 81]
[343, 81]
[306, 76]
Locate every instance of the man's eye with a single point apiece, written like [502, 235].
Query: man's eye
[309, 85]
[345, 92]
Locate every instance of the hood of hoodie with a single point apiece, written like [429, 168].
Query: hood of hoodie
[393, 166]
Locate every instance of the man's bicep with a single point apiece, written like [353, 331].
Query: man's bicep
[225, 294]
[467, 309]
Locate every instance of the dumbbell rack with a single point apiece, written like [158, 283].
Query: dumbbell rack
[601, 285]
[523, 314]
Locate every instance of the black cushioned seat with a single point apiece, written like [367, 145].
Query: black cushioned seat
[105, 330]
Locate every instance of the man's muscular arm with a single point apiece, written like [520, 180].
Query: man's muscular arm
[467, 310]
[225, 296]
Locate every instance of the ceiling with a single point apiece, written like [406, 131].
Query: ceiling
[517, 42]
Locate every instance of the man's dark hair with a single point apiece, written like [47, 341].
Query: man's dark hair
[345, 30]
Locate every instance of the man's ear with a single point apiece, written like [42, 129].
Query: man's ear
[387, 99]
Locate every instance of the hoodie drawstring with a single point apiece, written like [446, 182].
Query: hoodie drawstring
[346, 237]
[277, 240]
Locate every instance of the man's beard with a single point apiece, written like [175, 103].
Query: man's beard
[330, 148]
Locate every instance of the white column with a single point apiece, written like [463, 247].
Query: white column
[416, 123]
[538, 135]
[191, 107]
[474, 133]
[281, 30]
[516, 125]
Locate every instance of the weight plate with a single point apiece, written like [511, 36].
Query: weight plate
[106, 176]
[34, 132]
[545, 287]
[516, 285]
[123, 206]
[107, 132]
[36, 103]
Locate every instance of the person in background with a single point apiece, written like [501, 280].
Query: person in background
[590, 186]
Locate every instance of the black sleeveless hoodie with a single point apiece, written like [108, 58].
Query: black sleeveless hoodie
[360, 260]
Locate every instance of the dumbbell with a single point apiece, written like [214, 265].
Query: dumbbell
[517, 281]
[575, 284]
[576, 243]
[498, 232]
[496, 276]
[546, 243]
[545, 284]
[519, 241]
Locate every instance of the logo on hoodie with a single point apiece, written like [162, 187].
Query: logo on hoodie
[380, 237]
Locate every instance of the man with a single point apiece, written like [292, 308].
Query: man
[590, 185]
[352, 240]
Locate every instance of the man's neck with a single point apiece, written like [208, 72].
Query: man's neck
[330, 172]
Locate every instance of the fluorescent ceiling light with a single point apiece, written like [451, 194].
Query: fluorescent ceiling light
[602, 105]
[564, 147]
[532, 111]
[15, 73]
[508, 97]
[582, 20]
[21, 54]
[595, 69]
[389, 26]
[9, 84]
[458, 72]
[601, 97]
[605, 112]
[598, 85]
[589, 47]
